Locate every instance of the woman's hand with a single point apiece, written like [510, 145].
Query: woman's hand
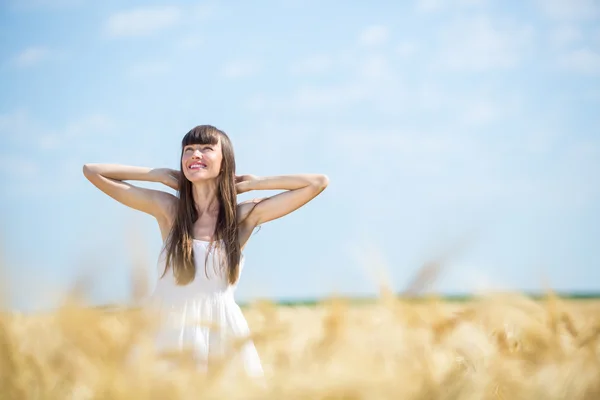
[243, 182]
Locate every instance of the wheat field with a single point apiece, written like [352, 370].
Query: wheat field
[503, 346]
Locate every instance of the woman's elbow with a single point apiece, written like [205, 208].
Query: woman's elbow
[321, 182]
[89, 170]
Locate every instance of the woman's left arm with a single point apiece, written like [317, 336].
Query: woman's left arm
[299, 190]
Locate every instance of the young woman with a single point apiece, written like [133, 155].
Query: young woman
[204, 232]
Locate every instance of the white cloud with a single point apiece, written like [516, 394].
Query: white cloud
[539, 141]
[319, 97]
[312, 65]
[49, 141]
[377, 85]
[142, 21]
[480, 112]
[468, 108]
[310, 98]
[472, 3]
[19, 127]
[14, 124]
[149, 69]
[190, 42]
[477, 44]
[582, 60]
[85, 128]
[33, 4]
[406, 49]
[424, 159]
[457, 169]
[376, 67]
[429, 6]
[240, 69]
[374, 36]
[565, 35]
[18, 167]
[43, 160]
[202, 11]
[78, 131]
[31, 56]
[430, 97]
[402, 142]
[373, 81]
[478, 108]
[569, 9]
[258, 102]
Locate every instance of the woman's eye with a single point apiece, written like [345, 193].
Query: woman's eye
[208, 148]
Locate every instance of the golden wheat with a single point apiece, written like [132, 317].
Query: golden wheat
[498, 347]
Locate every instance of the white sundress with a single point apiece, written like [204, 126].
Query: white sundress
[208, 299]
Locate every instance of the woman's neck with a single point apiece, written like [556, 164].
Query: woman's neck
[205, 197]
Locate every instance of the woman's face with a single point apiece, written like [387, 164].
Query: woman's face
[201, 162]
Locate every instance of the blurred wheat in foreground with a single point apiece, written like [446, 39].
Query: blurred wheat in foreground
[497, 347]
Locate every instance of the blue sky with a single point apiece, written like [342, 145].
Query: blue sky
[464, 129]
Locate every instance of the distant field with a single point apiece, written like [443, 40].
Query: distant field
[501, 347]
[447, 298]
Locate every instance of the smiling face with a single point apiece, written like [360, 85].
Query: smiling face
[202, 161]
[202, 153]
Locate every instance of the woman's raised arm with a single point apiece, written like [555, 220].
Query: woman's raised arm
[298, 190]
[110, 179]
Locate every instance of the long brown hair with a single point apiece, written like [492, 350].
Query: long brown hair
[179, 244]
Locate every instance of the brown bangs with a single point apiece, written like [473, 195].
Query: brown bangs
[202, 134]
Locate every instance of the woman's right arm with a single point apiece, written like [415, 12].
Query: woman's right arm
[110, 178]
